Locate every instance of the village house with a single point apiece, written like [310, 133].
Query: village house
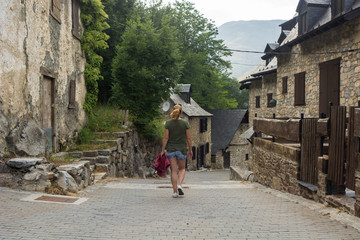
[42, 85]
[228, 149]
[200, 126]
[306, 105]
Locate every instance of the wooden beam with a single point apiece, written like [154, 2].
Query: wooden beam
[323, 127]
[357, 123]
[287, 129]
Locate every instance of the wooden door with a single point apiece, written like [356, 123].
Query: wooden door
[329, 85]
[48, 114]
[226, 159]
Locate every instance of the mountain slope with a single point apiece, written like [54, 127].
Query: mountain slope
[248, 35]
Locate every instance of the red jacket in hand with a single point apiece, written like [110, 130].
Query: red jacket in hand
[161, 164]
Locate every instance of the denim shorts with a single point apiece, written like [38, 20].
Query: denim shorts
[176, 154]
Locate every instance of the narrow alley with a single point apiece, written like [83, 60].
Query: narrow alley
[213, 208]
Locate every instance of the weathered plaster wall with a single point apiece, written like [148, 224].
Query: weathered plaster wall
[34, 44]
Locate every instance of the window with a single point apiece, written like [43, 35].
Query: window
[203, 125]
[246, 157]
[194, 153]
[337, 7]
[55, 10]
[303, 23]
[76, 19]
[269, 98]
[257, 101]
[72, 93]
[299, 89]
[284, 85]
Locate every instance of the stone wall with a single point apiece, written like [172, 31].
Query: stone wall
[275, 165]
[35, 46]
[133, 156]
[240, 148]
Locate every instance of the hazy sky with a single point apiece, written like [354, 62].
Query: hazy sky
[222, 11]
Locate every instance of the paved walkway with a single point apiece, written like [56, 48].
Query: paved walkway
[213, 208]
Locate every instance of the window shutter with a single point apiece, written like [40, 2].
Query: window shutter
[72, 93]
[55, 10]
[269, 97]
[300, 89]
[284, 85]
[194, 153]
[76, 19]
[257, 101]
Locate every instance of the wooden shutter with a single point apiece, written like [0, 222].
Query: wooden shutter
[55, 10]
[257, 101]
[284, 84]
[269, 97]
[299, 89]
[76, 19]
[72, 93]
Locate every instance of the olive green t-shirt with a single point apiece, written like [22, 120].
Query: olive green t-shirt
[177, 135]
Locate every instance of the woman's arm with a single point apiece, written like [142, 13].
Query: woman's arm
[189, 142]
[165, 140]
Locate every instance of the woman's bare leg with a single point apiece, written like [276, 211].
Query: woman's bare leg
[181, 165]
[173, 167]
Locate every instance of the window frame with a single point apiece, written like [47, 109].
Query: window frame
[257, 102]
[55, 10]
[75, 17]
[284, 85]
[299, 89]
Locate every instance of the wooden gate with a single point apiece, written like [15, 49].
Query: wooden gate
[337, 145]
[310, 149]
[353, 147]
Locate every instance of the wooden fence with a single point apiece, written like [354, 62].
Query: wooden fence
[343, 150]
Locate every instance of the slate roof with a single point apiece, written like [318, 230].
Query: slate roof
[224, 125]
[184, 88]
[191, 110]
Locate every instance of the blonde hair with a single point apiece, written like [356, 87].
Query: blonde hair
[175, 114]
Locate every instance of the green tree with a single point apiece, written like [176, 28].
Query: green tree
[203, 54]
[146, 67]
[93, 18]
[119, 12]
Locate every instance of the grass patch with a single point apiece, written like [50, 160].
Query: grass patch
[58, 161]
[92, 146]
[105, 118]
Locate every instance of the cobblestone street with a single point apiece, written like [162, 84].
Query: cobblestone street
[213, 208]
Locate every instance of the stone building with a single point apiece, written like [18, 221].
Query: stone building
[200, 126]
[42, 86]
[318, 64]
[228, 149]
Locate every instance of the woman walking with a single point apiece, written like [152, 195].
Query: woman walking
[177, 141]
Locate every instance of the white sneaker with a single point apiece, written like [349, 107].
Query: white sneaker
[175, 195]
[180, 190]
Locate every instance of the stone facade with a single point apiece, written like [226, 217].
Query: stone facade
[39, 59]
[239, 149]
[261, 88]
[199, 139]
[339, 40]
